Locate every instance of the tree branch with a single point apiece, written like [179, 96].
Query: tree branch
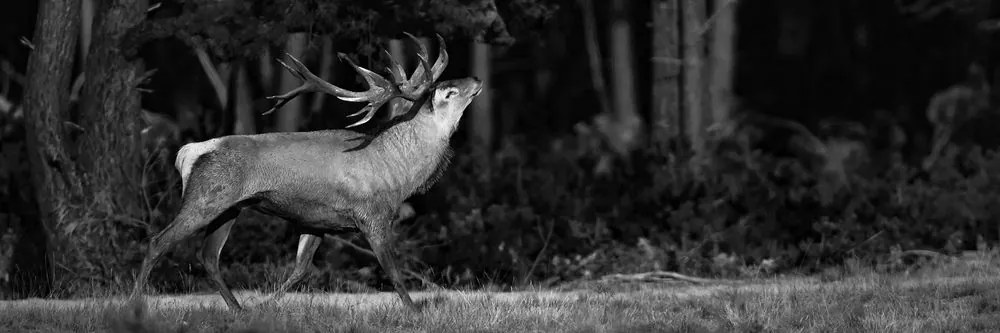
[221, 91]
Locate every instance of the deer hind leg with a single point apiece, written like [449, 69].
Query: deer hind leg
[215, 238]
[192, 217]
[379, 237]
[303, 259]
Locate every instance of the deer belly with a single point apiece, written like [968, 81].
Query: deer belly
[308, 213]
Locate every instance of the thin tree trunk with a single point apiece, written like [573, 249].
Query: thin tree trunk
[397, 50]
[620, 40]
[626, 118]
[290, 117]
[720, 88]
[325, 72]
[594, 54]
[481, 131]
[245, 122]
[86, 28]
[109, 147]
[666, 70]
[692, 20]
[53, 175]
[266, 68]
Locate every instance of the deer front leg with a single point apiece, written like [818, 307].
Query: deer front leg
[379, 237]
[308, 243]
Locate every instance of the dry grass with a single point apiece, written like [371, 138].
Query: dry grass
[960, 296]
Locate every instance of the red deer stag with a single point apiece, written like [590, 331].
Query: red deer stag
[321, 181]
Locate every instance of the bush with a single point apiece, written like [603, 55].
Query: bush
[539, 215]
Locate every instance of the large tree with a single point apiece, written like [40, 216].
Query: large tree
[109, 147]
[85, 170]
[46, 105]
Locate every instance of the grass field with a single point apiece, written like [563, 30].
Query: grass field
[960, 296]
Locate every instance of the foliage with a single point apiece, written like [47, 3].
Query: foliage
[242, 28]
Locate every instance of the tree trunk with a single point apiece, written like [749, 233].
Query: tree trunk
[52, 168]
[86, 28]
[720, 89]
[325, 72]
[666, 70]
[245, 122]
[620, 41]
[626, 119]
[692, 21]
[397, 50]
[290, 117]
[594, 55]
[109, 147]
[481, 131]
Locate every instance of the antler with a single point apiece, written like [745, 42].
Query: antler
[379, 90]
[419, 80]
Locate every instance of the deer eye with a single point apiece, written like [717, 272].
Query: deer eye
[451, 93]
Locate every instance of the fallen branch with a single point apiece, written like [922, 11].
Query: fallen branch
[922, 253]
[658, 276]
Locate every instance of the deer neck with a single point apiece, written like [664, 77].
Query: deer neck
[412, 151]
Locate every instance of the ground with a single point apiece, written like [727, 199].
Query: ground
[951, 295]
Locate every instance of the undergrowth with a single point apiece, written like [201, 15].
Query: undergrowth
[539, 215]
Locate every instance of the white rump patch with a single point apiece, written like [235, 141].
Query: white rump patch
[188, 154]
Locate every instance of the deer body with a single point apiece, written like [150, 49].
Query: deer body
[322, 181]
[302, 176]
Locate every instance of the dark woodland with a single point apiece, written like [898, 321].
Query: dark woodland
[712, 138]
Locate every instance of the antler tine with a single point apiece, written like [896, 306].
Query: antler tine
[378, 86]
[418, 78]
[288, 96]
[442, 60]
[380, 90]
[395, 69]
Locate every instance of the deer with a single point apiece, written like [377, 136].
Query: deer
[323, 182]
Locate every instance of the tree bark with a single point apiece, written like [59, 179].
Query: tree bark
[290, 117]
[666, 70]
[481, 131]
[109, 146]
[53, 177]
